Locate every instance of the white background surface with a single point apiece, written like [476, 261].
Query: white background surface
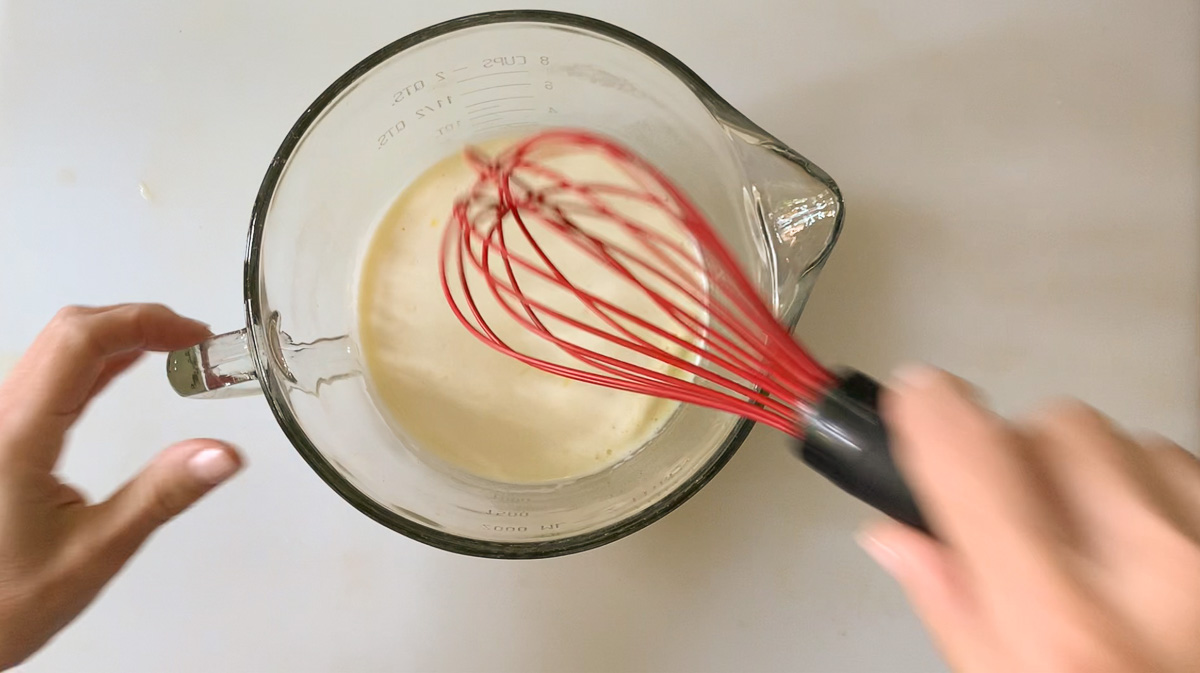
[1021, 183]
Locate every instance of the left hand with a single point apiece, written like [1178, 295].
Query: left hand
[57, 551]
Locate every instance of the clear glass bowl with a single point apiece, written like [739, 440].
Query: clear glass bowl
[381, 125]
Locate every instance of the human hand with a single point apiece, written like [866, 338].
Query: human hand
[1064, 544]
[56, 550]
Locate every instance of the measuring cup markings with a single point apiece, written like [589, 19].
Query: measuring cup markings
[506, 529]
[521, 529]
[507, 60]
[515, 514]
[407, 91]
[482, 112]
[495, 100]
[653, 488]
[433, 107]
[449, 127]
[501, 126]
[505, 512]
[492, 74]
[495, 86]
[413, 91]
[484, 118]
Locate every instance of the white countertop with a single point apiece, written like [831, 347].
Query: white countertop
[1021, 181]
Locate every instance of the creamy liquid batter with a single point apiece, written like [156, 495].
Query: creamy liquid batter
[473, 407]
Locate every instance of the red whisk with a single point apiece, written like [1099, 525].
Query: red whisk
[690, 326]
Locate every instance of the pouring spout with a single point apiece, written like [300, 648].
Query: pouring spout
[799, 208]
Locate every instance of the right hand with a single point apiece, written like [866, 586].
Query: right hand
[1063, 543]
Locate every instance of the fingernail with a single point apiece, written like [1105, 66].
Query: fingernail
[915, 375]
[212, 466]
[881, 553]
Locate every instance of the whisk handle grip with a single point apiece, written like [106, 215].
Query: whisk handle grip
[846, 441]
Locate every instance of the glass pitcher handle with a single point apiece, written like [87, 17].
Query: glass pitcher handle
[217, 367]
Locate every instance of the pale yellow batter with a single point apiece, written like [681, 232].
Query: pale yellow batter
[470, 406]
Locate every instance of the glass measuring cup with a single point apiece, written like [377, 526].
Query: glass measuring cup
[381, 125]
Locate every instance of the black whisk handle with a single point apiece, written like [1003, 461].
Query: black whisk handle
[846, 441]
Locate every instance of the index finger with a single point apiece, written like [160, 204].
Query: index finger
[968, 472]
[51, 383]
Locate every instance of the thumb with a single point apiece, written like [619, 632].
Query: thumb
[175, 479]
[935, 585]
